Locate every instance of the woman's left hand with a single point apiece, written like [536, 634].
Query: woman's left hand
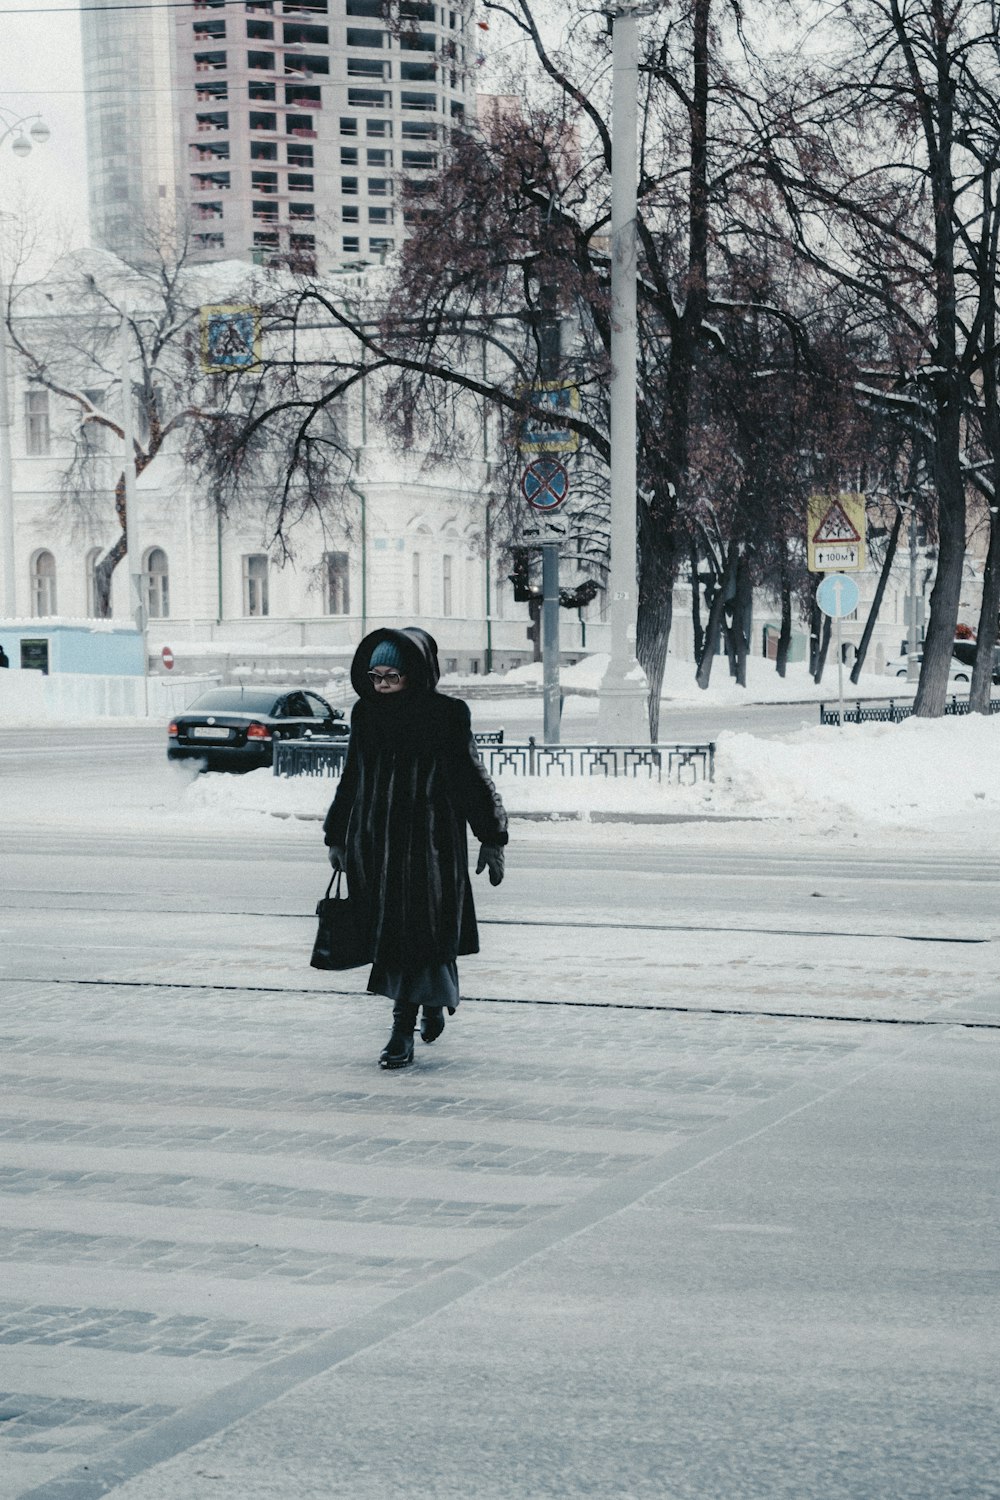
[491, 858]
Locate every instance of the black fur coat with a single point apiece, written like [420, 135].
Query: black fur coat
[412, 780]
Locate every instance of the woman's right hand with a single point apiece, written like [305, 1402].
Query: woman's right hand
[337, 860]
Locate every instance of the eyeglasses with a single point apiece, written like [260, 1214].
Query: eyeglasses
[390, 677]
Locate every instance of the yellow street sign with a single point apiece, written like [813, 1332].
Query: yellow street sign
[836, 534]
[539, 437]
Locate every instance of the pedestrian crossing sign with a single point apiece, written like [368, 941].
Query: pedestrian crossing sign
[230, 338]
[836, 534]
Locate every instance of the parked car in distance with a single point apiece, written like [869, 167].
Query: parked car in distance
[234, 728]
[957, 672]
[965, 651]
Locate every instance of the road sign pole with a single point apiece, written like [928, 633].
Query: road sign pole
[550, 642]
[840, 676]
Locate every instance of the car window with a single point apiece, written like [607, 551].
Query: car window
[296, 706]
[235, 700]
[319, 706]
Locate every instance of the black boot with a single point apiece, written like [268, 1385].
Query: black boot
[398, 1050]
[432, 1024]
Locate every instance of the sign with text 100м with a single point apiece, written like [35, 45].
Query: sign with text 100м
[836, 534]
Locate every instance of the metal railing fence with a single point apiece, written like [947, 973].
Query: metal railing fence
[888, 711]
[684, 764]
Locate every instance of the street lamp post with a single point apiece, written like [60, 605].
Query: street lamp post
[623, 714]
[37, 131]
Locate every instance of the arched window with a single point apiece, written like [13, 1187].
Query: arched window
[43, 584]
[90, 578]
[157, 584]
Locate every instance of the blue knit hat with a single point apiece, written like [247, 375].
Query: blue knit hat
[387, 654]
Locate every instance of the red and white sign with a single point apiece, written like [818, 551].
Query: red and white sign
[168, 658]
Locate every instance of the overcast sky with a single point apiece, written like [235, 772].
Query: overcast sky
[40, 72]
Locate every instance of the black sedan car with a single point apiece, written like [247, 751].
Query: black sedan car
[234, 728]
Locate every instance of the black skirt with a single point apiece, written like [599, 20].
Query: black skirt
[427, 985]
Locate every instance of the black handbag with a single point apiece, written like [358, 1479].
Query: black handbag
[341, 941]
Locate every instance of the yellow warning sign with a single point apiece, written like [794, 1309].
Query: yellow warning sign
[836, 534]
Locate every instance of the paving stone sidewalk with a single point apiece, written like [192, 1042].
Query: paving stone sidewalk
[158, 1288]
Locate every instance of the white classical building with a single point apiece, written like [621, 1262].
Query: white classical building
[414, 543]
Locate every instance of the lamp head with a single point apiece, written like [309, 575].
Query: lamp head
[21, 145]
[40, 132]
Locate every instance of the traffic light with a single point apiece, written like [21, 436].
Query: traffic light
[521, 576]
[534, 631]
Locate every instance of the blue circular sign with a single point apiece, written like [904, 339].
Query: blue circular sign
[545, 484]
[838, 595]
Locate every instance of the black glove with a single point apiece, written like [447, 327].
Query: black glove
[491, 858]
[337, 860]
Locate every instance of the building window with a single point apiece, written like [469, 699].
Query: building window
[43, 584]
[380, 246]
[360, 36]
[378, 127]
[90, 575]
[350, 213]
[446, 594]
[379, 187]
[368, 98]
[157, 585]
[416, 583]
[348, 186]
[255, 584]
[348, 126]
[36, 423]
[368, 67]
[380, 216]
[338, 588]
[352, 245]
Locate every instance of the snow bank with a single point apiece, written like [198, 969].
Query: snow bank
[679, 687]
[923, 773]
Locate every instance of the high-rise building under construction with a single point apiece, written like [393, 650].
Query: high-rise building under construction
[291, 123]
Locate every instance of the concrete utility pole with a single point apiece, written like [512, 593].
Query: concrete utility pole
[552, 697]
[8, 605]
[623, 714]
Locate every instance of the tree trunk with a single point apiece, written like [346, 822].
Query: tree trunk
[986, 635]
[822, 647]
[785, 633]
[104, 570]
[696, 625]
[873, 613]
[742, 620]
[815, 627]
[948, 438]
[947, 591]
[653, 659]
[713, 628]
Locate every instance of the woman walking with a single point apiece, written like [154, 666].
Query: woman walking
[412, 781]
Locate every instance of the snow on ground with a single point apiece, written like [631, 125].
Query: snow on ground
[679, 687]
[932, 775]
[904, 781]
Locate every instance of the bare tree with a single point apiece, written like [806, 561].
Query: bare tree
[884, 192]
